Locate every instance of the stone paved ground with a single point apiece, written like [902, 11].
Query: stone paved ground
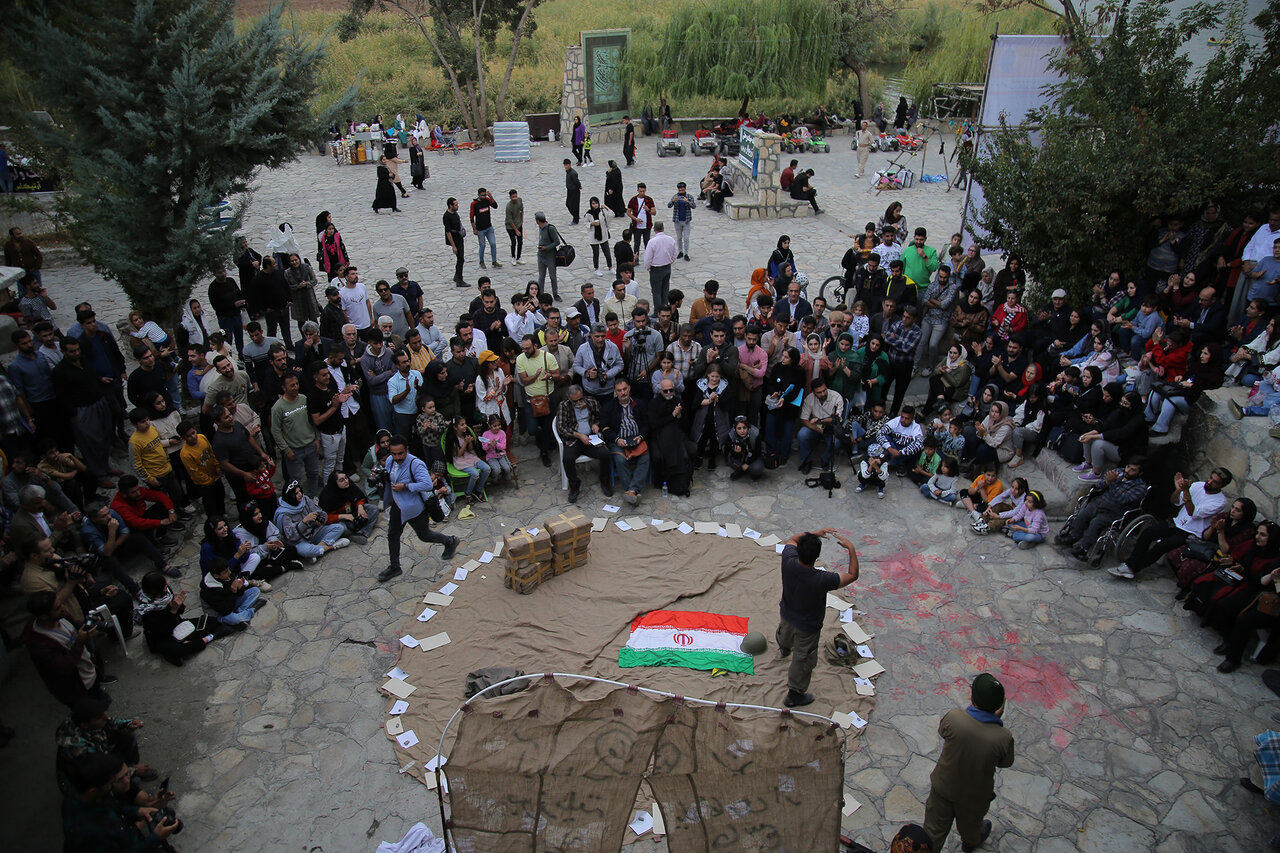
[1127, 738]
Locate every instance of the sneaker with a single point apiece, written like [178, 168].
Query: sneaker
[981, 528]
[450, 549]
[1236, 411]
[860, 488]
[357, 539]
[262, 586]
[1026, 546]
[688, 257]
[496, 265]
[482, 266]
[679, 255]
[1274, 432]
[1121, 571]
[1081, 467]
[880, 494]
[172, 572]
[341, 543]
[388, 573]
[1090, 477]
[598, 273]
[573, 494]
[796, 700]
[806, 467]
[518, 262]
[293, 566]
[259, 604]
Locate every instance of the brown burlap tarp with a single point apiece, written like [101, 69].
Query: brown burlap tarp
[577, 622]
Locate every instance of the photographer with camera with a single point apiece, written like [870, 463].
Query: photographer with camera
[642, 353]
[94, 820]
[62, 650]
[74, 580]
[819, 421]
[408, 491]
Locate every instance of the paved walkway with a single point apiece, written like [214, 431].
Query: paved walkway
[1127, 737]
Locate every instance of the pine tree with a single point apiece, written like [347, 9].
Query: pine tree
[162, 108]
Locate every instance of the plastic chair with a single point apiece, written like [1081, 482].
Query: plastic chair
[564, 478]
[455, 474]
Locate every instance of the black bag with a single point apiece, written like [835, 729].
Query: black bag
[1203, 550]
[491, 675]
[565, 255]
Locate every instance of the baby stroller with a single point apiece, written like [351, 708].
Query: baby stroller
[704, 142]
[669, 142]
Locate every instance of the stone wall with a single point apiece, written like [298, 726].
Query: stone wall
[761, 197]
[573, 93]
[1213, 437]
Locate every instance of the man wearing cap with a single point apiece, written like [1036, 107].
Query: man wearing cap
[682, 205]
[962, 785]
[575, 330]
[804, 606]
[1197, 504]
[409, 289]
[659, 253]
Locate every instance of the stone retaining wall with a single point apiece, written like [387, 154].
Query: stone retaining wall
[761, 197]
[1213, 437]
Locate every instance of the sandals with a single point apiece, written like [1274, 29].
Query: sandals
[1015, 462]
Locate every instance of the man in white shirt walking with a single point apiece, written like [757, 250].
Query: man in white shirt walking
[659, 254]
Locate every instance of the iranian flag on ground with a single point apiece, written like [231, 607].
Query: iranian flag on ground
[693, 640]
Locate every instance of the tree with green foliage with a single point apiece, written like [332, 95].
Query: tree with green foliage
[1132, 133]
[740, 49]
[161, 108]
[463, 39]
[862, 26]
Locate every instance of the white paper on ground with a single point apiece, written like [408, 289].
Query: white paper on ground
[471, 565]
[659, 826]
[436, 763]
[426, 614]
[407, 739]
[656, 522]
[858, 722]
[431, 782]
[398, 708]
[685, 527]
[722, 533]
[533, 531]
[486, 557]
[733, 531]
[434, 642]
[768, 541]
[497, 547]
[611, 508]
[399, 689]
[397, 672]
[837, 603]
[857, 633]
[622, 525]
[409, 642]
[846, 616]
[706, 527]
[461, 574]
[750, 534]
[869, 669]
[637, 523]
[778, 548]
[850, 804]
[864, 686]
[449, 588]
[438, 599]
[842, 719]
[864, 650]
[597, 524]
[665, 526]
[395, 726]
[642, 824]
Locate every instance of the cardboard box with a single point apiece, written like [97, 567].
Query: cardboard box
[528, 579]
[522, 546]
[570, 531]
[562, 562]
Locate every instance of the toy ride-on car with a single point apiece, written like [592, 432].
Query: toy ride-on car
[704, 142]
[670, 143]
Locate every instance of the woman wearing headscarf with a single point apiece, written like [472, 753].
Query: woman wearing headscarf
[491, 388]
[995, 435]
[1122, 434]
[1012, 277]
[971, 271]
[436, 385]
[1204, 373]
[900, 114]
[302, 524]
[344, 503]
[282, 243]
[1237, 613]
[221, 541]
[1094, 404]
[1226, 532]
[1103, 356]
[303, 305]
[894, 219]
[782, 256]
[418, 171]
[814, 361]
[333, 252]
[384, 194]
[323, 220]
[613, 190]
[783, 391]
[950, 380]
[263, 538]
[970, 318]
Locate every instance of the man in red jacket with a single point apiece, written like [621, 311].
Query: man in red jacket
[148, 511]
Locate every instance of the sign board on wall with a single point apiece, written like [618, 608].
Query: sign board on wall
[748, 154]
[603, 55]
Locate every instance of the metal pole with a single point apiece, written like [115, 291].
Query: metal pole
[977, 134]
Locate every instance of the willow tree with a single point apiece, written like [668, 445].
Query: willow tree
[740, 49]
[162, 108]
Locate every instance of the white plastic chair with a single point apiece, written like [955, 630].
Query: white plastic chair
[564, 478]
